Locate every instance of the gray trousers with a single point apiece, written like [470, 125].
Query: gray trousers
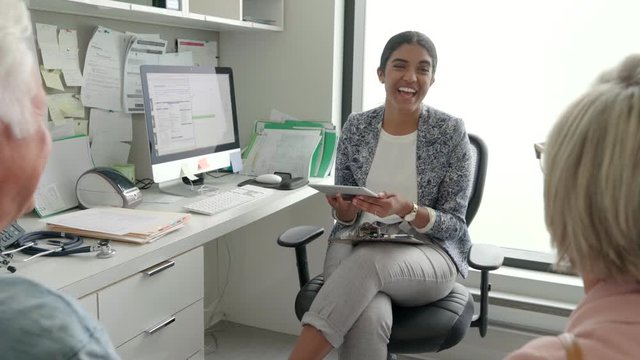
[353, 308]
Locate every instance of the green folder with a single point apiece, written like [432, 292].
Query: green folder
[329, 153]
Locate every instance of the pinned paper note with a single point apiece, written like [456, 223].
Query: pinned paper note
[141, 49]
[103, 70]
[68, 45]
[48, 44]
[110, 125]
[61, 130]
[205, 53]
[67, 103]
[51, 78]
[56, 115]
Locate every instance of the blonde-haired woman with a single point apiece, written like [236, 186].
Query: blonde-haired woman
[592, 209]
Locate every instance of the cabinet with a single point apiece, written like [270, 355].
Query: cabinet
[156, 313]
[223, 15]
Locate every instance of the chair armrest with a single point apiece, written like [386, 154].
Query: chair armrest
[300, 236]
[485, 257]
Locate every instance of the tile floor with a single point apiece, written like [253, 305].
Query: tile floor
[232, 341]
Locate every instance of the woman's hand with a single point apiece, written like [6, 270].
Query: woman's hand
[344, 208]
[384, 205]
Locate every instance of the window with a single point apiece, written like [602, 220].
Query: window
[508, 69]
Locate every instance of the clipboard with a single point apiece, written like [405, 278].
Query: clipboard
[56, 191]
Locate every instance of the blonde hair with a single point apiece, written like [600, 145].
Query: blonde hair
[592, 177]
[17, 67]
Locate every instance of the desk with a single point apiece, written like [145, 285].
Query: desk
[81, 276]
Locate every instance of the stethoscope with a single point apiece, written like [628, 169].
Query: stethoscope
[63, 244]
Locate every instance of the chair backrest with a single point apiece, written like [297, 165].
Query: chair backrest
[480, 153]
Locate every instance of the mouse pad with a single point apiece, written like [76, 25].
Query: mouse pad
[285, 184]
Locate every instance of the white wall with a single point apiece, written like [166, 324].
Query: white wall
[295, 71]
[260, 276]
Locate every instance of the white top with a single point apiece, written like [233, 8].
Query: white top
[395, 155]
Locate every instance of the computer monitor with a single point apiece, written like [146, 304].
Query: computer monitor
[191, 122]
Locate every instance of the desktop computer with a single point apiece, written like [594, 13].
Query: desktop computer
[190, 124]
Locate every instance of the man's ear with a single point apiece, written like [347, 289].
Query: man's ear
[433, 79]
[381, 75]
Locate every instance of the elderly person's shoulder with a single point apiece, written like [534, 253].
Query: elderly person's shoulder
[47, 324]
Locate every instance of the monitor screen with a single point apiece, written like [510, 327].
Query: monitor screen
[191, 119]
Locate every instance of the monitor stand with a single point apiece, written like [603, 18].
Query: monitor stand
[177, 187]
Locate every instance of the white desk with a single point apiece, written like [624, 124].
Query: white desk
[84, 275]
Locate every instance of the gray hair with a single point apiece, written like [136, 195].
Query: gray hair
[17, 67]
[591, 186]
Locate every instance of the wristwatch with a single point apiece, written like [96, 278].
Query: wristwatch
[412, 214]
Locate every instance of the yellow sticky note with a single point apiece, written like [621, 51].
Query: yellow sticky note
[51, 78]
[203, 164]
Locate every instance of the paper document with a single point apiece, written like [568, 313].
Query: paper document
[62, 130]
[110, 125]
[205, 53]
[56, 190]
[108, 152]
[324, 154]
[67, 104]
[48, 43]
[131, 225]
[140, 50]
[68, 45]
[51, 78]
[103, 70]
[282, 151]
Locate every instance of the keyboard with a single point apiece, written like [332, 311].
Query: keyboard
[228, 199]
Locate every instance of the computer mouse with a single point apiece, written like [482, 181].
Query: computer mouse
[269, 179]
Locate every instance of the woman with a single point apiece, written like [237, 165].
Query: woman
[592, 207]
[418, 159]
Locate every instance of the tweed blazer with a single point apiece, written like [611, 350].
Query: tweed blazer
[443, 169]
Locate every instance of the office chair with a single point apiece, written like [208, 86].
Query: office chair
[435, 326]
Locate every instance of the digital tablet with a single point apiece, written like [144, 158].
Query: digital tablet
[344, 190]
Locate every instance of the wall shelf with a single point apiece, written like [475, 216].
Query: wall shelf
[110, 9]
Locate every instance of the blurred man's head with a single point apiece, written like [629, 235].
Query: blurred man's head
[24, 141]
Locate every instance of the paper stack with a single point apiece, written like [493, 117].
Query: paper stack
[138, 226]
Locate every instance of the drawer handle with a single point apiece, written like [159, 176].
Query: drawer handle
[160, 267]
[161, 325]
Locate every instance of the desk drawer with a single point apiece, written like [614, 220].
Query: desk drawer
[180, 339]
[90, 303]
[137, 303]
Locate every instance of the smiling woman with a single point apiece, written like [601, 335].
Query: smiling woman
[425, 199]
[507, 69]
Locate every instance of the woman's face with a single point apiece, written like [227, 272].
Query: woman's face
[407, 77]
